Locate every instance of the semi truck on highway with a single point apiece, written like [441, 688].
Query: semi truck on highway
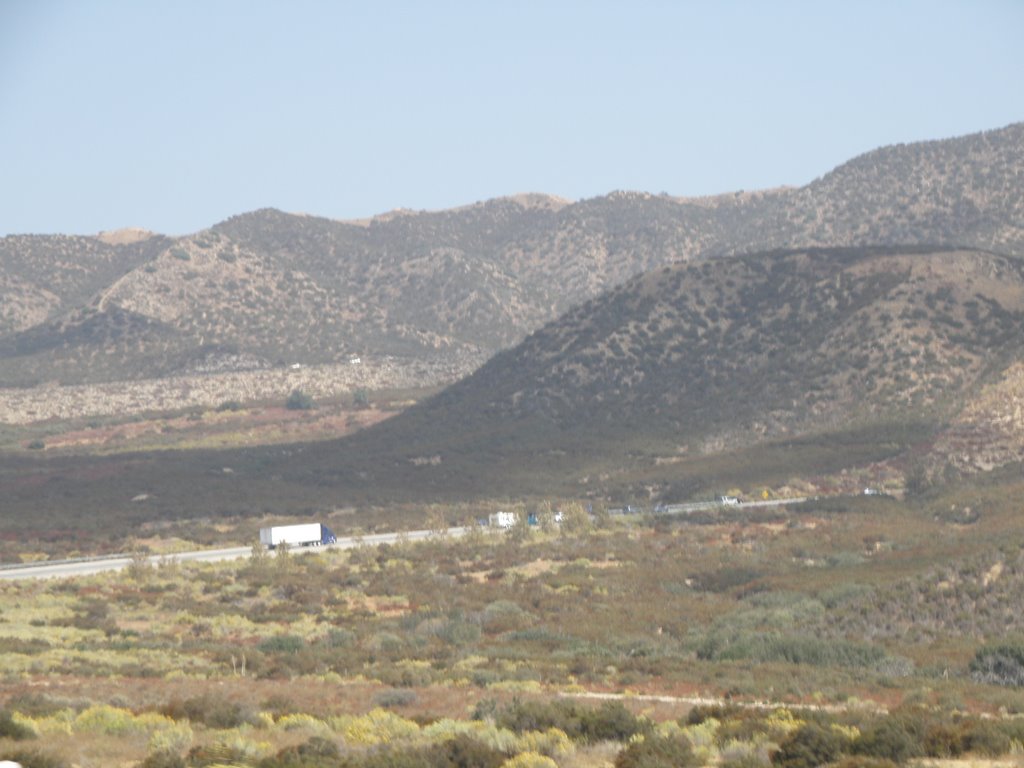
[302, 535]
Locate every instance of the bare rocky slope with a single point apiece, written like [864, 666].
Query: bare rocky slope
[269, 288]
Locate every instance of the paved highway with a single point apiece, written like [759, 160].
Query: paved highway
[700, 506]
[86, 566]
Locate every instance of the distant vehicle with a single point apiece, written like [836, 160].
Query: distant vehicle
[872, 492]
[502, 519]
[301, 535]
[728, 501]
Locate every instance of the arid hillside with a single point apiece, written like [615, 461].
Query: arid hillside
[791, 371]
[266, 288]
[724, 355]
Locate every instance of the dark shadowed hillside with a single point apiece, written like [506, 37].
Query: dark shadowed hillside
[692, 359]
[758, 369]
[457, 285]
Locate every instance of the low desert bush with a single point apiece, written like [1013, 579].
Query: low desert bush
[655, 751]
[809, 746]
[163, 759]
[211, 710]
[394, 697]
[891, 738]
[999, 664]
[12, 729]
[609, 722]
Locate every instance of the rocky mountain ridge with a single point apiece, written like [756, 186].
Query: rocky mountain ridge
[462, 283]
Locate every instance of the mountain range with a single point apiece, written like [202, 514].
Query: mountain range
[269, 288]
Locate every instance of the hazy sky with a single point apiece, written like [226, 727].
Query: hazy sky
[175, 115]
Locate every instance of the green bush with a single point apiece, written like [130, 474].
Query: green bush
[282, 644]
[794, 649]
[163, 759]
[890, 739]
[999, 665]
[36, 704]
[702, 712]
[984, 737]
[944, 740]
[463, 751]
[210, 710]
[318, 752]
[219, 754]
[9, 729]
[860, 761]
[655, 751]
[809, 746]
[299, 401]
[609, 722]
[394, 697]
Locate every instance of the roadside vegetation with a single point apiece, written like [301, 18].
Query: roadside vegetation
[851, 630]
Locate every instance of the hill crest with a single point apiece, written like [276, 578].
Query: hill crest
[464, 283]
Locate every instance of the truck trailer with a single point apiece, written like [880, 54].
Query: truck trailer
[302, 535]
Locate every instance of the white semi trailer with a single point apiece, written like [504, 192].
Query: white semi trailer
[301, 535]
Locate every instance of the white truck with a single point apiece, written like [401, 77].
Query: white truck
[301, 535]
[503, 520]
